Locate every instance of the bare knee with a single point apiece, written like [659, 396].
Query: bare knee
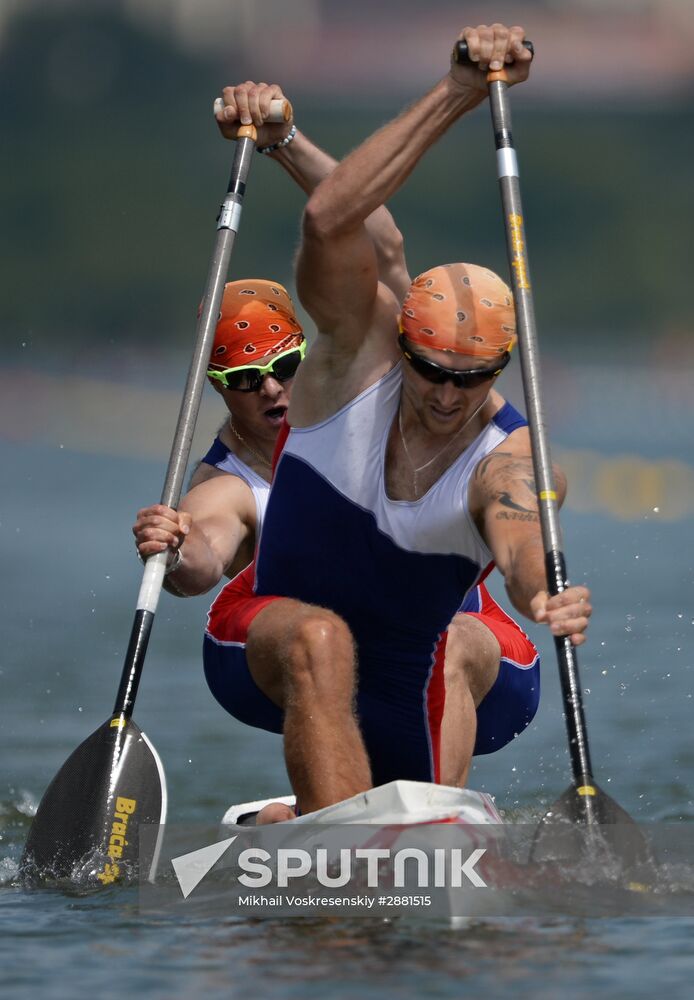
[472, 657]
[298, 652]
[319, 630]
[320, 649]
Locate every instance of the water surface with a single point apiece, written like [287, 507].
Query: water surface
[70, 583]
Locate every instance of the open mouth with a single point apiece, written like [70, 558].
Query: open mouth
[275, 414]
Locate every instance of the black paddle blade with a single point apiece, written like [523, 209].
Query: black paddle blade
[86, 826]
[586, 820]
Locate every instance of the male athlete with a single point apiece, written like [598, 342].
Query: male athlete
[257, 349]
[404, 477]
[221, 516]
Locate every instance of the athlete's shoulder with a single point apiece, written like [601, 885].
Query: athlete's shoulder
[215, 493]
[507, 418]
[339, 367]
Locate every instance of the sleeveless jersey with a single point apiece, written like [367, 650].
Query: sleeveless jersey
[222, 458]
[395, 570]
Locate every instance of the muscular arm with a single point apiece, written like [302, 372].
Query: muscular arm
[336, 276]
[337, 271]
[308, 166]
[503, 502]
[508, 517]
[214, 528]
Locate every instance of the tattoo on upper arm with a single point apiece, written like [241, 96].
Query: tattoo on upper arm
[508, 480]
[507, 500]
[504, 515]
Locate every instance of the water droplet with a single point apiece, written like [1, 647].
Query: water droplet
[79, 708]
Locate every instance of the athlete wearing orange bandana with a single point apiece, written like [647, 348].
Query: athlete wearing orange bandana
[256, 320]
[462, 308]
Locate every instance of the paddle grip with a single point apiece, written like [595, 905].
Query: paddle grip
[461, 56]
[280, 110]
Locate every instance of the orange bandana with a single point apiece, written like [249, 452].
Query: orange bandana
[462, 308]
[257, 319]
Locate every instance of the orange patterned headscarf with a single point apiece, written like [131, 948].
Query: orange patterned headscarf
[462, 308]
[256, 319]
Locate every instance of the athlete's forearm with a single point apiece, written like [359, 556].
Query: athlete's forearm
[526, 576]
[198, 569]
[309, 166]
[368, 177]
[305, 162]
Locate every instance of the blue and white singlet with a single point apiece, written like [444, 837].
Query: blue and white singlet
[396, 571]
[223, 458]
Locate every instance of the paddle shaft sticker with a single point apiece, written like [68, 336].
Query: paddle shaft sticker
[519, 261]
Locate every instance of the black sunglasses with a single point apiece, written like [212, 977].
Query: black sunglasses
[249, 378]
[469, 378]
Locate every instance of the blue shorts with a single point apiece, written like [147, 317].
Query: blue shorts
[401, 739]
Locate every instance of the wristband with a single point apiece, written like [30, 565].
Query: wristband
[172, 566]
[278, 145]
[175, 562]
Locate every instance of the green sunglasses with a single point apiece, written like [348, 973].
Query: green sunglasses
[249, 378]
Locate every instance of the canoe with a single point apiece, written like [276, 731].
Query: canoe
[399, 803]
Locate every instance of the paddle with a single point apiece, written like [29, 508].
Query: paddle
[584, 801]
[85, 828]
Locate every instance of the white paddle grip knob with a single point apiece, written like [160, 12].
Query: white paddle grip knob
[280, 110]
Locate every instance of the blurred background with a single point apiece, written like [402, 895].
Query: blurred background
[113, 168]
[112, 173]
